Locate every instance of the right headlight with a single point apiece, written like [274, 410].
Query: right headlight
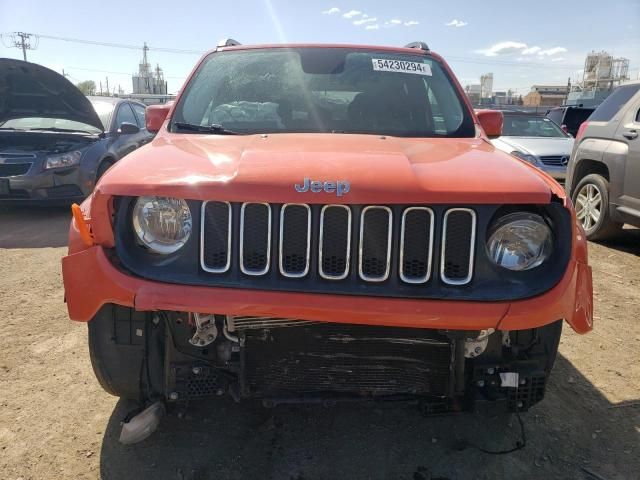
[162, 224]
[520, 241]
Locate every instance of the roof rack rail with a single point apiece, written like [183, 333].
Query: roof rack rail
[228, 42]
[419, 45]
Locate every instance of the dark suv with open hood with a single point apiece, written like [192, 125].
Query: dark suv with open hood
[55, 142]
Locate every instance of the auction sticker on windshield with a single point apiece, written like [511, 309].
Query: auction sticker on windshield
[383, 65]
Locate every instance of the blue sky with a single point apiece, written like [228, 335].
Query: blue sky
[522, 43]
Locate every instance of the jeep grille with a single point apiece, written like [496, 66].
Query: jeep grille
[342, 245]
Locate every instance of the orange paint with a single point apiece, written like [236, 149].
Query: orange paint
[82, 224]
[390, 170]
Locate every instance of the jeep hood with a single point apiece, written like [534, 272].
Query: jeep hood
[379, 170]
[31, 90]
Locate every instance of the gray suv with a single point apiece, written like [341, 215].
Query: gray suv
[603, 177]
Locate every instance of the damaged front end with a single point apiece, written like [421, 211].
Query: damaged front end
[186, 356]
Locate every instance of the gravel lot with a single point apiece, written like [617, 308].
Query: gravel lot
[56, 422]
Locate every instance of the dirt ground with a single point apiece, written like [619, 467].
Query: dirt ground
[57, 423]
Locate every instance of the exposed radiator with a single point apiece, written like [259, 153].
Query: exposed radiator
[317, 358]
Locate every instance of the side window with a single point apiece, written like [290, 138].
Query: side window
[613, 103]
[638, 117]
[139, 111]
[125, 114]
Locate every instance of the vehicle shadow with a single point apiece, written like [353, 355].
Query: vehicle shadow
[566, 436]
[29, 227]
[628, 241]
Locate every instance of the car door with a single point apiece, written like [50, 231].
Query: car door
[629, 132]
[124, 143]
[140, 111]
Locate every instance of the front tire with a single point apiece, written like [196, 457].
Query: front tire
[591, 200]
[117, 367]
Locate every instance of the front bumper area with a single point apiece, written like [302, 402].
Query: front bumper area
[319, 362]
[91, 281]
[48, 187]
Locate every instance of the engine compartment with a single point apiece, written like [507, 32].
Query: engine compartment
[43, 142]
[181, 357]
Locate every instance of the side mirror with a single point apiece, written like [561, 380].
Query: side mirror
[127, 128]
[491, 122]
[155, 116]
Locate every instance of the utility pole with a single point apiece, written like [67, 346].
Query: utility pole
[108, 94]
[23, 40]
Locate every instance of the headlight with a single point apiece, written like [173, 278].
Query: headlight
[525, 156]
[68, 159]
[162, 224]
[520, 241]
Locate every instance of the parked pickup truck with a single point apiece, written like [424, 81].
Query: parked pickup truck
[326, 223]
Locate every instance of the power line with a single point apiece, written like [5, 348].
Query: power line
[199, 52]
[22, 40]
[120, 45]
[116, 73]
[513, 63]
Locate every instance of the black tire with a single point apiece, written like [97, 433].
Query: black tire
[102, 168]
[602, 227]
[117, 367]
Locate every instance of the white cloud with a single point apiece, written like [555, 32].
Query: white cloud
[502, 47]
[331, 11]
[362, 21]
[411, 23]
[530, 50]
[552, 51]
[395, 21]
[375, 26]
[352, 13]
[557, 59]
[535, 50]
[456, 23]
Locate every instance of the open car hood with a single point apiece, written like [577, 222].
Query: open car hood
[31, 90]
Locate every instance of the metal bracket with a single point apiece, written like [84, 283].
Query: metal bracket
[206, 331]
[476, 346]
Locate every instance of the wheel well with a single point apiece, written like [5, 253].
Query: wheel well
[109, 160]
[587, 167]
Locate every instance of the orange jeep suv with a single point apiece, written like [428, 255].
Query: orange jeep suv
[326, 223]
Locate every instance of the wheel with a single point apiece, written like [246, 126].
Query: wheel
[591, 199]
[102, 168]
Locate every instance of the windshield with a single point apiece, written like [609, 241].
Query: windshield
[530, 126]
[104, 111]
[318, 89]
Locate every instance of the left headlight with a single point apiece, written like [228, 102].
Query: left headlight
[520, 241]
[61, 160]
[162, 224]
[525, 156]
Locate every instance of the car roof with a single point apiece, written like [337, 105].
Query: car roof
[113, 100]
[406, 50]
[98, 98]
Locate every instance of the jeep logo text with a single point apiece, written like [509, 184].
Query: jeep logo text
[316, 186]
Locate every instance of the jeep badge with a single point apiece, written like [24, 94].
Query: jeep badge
[316, 186]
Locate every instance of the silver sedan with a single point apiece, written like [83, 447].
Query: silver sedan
[536, 140]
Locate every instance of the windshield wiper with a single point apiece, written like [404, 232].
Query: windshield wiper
[213, 128]
[56, 129]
